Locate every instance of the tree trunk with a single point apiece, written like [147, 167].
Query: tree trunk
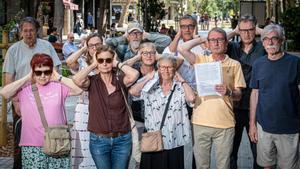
[102, 16]
[59, 16]
[124, 13]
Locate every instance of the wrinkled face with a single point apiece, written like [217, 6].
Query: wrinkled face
[29, 33]
[187, 28]
[166, 70]
[272, 43]
[135, 35]
[148, 56]
[71, 38]
[217, 43]
[42, 75]
[105, 62]
[247, 32]
[93, 44]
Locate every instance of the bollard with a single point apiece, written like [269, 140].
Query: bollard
[3, 119]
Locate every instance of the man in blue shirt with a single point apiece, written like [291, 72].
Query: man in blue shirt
[274, 103]
[90, 20]
[127, 46]
[69, 46]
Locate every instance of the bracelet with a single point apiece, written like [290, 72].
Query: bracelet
[60, 77]
[122, 65]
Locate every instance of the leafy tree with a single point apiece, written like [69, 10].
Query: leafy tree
[291, 23]
[153, 12]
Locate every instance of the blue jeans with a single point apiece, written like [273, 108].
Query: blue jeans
[111, 153]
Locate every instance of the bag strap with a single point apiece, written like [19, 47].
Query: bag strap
[126, 102]
[166, 108]
[35, 92]
[38, 101]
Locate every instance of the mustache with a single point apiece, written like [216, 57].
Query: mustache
[272, 47]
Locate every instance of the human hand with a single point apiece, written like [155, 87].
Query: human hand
[178, 77]
[236, 30]
[221, 88]
[115, 60]
[253, 133]
[55, 75]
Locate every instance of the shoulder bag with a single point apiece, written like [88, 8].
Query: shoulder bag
[57, 140]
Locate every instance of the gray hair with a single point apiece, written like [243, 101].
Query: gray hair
[147, 44]
[168, 57]
[248, 18]
[30, 20]
[188, 17]
[219, 30]
[273, 27]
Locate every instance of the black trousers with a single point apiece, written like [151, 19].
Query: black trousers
[242, 120]
[167, 159]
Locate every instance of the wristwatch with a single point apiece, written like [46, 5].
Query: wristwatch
[230, 92]
[60, 77]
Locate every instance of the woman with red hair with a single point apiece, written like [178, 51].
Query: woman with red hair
[53, 90]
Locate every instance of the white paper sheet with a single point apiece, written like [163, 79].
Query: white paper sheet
[208, 75]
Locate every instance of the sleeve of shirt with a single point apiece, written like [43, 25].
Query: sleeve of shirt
[160, 41]
[253, 81]
[114, 42]
[9, 65]
[64, 90]
[239, 80]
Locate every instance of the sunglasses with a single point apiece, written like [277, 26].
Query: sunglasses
[46, 72]
[107, 60]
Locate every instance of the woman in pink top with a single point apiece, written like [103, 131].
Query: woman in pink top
[53, 90]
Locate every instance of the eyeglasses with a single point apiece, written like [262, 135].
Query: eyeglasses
[96, 45]
[107, 60]
[187, 26]
[246, 30]
[148, 53]
[28, 31]
[135, 33]
[273, 39]
[163, 68]
[45, 72]
[218, 40]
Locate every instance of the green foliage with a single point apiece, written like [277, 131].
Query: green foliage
[65, 71]
[153, 12]
[291, 23]
[212, 7]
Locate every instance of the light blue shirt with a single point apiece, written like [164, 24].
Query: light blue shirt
[68, 49]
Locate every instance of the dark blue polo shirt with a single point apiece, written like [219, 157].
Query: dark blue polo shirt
[278, 94]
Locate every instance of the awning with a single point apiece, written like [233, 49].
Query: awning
[69, 5]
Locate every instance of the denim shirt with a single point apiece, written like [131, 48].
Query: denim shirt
[121, 45]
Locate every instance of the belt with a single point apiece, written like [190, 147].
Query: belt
[112, 134]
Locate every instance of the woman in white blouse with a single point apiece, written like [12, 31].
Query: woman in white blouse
[176, 130]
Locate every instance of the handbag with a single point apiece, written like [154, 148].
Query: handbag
[152, 141]
[57, 140]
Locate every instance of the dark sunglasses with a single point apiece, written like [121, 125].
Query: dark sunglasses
[107, 60]
[46, 72]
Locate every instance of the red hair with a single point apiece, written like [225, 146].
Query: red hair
[41, 59]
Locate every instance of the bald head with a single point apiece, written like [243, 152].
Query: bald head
[70, 37]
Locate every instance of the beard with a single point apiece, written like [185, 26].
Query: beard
[134, 45]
